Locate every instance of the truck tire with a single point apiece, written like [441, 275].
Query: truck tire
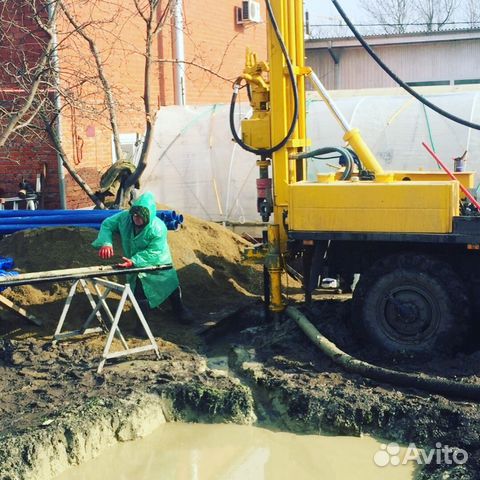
[411, 304]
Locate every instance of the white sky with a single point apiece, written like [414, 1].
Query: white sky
[324, 12]
[321, 11]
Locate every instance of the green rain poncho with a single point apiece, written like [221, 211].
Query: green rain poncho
[147, 248]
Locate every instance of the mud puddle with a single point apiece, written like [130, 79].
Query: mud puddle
[230, 452]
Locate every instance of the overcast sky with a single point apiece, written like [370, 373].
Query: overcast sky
[322, 10]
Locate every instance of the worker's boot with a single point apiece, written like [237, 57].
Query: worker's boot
[183, 314]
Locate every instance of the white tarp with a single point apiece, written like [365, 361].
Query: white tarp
[195, 167]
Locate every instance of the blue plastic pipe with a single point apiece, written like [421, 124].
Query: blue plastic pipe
[7, 229]
[6, 263]
[14, 220]
[52, 220]
[4, 273]
[101, 213]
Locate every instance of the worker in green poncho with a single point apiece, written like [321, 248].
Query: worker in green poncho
[144, 242]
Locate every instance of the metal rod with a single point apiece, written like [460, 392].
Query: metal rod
[329, 102]
[130, 351]
[114, 327]
[106, 309]
[452, 176]
[75, 274]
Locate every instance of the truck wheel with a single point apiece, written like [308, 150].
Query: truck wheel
[411, 304]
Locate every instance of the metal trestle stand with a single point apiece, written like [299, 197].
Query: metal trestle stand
[99, 306]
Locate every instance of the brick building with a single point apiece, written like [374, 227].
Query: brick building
[213, 51]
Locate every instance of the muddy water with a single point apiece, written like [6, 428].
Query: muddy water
[233, 452]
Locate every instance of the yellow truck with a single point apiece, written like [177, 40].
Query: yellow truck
[412, 236]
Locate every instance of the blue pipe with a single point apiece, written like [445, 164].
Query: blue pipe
[173, 225]
[80, 218]
[167, 215]
[14, 220]
[101, 213]
[43, 213]
[4, 274]
[6, 263]
[7, 229]
[52, 219]
[12, 228]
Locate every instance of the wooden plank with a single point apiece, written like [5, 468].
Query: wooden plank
[19, 310]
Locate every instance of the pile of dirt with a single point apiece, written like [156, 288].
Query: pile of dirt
[213, 276]
[207, 256]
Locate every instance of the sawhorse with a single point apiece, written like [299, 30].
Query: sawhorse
[97, 307]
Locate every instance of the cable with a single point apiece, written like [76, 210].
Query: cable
[268, 151]
[343, 153]
[327, 158]
[400, 82]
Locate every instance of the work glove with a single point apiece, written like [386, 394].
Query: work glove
[105, 252]
[126, 264]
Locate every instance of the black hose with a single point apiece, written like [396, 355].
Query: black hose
[268, 151]
[438, 385]
[356, 160]
[344, 153]
[398, 80]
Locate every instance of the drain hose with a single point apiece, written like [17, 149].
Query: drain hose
[433, 384]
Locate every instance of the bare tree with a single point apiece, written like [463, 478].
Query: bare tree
[30, 72]
[396, 16]
[27, 78]
[436, 13]
[107, 89]
[393, 15]
[154, 22]
[83, 80]
[154, 18]
[472, 8]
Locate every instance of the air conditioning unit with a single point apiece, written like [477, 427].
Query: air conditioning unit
[249, 12]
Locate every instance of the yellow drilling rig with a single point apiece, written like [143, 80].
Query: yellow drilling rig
[413, 237]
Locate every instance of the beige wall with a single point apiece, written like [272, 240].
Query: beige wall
[453, 60]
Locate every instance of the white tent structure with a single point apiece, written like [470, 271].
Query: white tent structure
[196, 167]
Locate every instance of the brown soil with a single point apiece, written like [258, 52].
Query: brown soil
[295, 387]
[214, 282]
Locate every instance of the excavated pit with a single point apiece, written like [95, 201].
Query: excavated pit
[231, 366]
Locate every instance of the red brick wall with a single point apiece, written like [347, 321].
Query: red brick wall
[24, 161]
[212, 40]
[215, 41]
[28, 153]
